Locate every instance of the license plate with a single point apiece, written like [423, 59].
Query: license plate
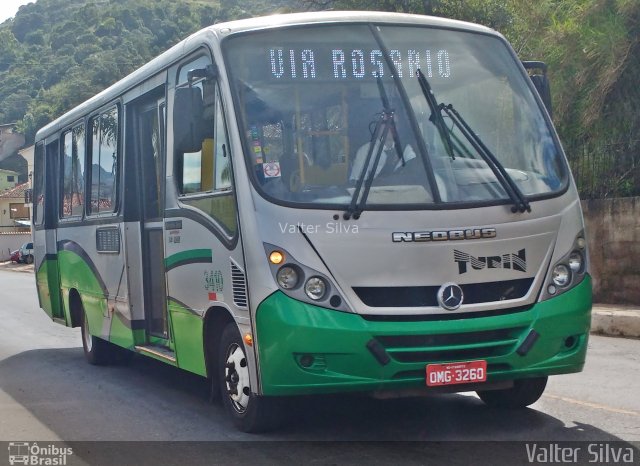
[456, 373]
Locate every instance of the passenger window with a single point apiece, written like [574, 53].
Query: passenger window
[38, 185]
[73, 162]
[104, 162]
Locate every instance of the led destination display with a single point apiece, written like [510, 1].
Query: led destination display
[315, 63]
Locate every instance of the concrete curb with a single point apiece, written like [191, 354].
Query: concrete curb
[7, 265]
[606, 319]
[615, 321]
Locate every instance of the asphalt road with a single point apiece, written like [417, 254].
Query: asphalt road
[48, 393]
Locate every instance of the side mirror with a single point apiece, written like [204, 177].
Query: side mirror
[188, 116]
[538, 73]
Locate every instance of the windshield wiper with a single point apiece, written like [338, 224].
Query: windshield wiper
[377, 142]
[384, 124]
[520, 202]
[436, 114]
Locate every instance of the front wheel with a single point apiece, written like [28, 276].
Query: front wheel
[524, 392]
[250, 412]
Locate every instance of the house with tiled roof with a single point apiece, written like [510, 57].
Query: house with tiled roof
[14, 212]
[8, 179]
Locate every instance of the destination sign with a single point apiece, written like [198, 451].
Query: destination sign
[355, 63]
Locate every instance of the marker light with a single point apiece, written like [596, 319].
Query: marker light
[287, 277]
[561, 275]
[248, 339]
[315, 288]
[276, 257]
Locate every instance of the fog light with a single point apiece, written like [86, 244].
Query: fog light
[287, 277]
[315, 288]
[306, 360]
[561, 275]
[551, 289]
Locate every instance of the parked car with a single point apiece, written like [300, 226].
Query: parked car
[26, 253]
[15, 256]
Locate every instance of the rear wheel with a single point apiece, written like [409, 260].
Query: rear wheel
[524, 392]
[250, 412]
[96, 350]
[29, 259]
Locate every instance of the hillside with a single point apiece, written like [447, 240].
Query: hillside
[56, 53]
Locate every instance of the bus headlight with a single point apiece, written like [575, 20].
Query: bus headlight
[561, 275]
[576, 262]
[315, 288]
[287, 277]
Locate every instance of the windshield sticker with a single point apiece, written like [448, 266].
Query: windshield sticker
[516, 261]
[271, 169]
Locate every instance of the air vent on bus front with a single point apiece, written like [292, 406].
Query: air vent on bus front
[239, 284]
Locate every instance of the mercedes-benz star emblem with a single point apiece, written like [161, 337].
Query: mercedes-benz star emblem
[450, 296]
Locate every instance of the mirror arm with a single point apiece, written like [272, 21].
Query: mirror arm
[209, 72]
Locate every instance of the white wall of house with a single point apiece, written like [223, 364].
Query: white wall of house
[10, 242]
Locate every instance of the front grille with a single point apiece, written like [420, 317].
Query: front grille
[440, 317]
[451, 347]
[427, 296]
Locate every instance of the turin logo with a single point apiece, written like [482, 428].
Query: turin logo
[516, 261]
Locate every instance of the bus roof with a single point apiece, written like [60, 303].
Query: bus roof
[192, 42]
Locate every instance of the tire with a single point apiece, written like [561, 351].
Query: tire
[29, 259]
[249, 412]
[524, 392]
[97, 351]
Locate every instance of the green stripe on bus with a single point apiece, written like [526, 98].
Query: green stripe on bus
[191, 256]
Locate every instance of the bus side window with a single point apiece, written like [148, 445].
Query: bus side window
[104, 161]
[38, 185]
[73, 172]
[204, 177]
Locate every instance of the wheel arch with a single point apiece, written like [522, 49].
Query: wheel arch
[215, 320]
[76, 307]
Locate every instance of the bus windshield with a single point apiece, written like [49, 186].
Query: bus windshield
[330, 112]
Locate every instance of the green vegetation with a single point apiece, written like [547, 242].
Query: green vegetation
[56, 53]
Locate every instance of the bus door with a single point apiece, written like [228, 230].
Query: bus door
[150, 122]
[46, 261]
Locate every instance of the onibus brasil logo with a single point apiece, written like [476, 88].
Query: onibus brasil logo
[32, 454]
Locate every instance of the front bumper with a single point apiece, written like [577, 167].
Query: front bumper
[304, 349]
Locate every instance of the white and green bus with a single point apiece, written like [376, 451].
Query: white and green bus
[320, 203]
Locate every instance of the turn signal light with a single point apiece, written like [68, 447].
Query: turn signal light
[248, 339]
[276, 257]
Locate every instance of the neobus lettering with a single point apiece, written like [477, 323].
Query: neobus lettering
[450, 235]
[355, 63]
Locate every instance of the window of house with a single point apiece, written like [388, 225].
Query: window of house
[18, 211]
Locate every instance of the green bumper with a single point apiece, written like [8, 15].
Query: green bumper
[305, 349]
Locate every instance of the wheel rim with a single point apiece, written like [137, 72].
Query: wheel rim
[236, 376]
[86, 336]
